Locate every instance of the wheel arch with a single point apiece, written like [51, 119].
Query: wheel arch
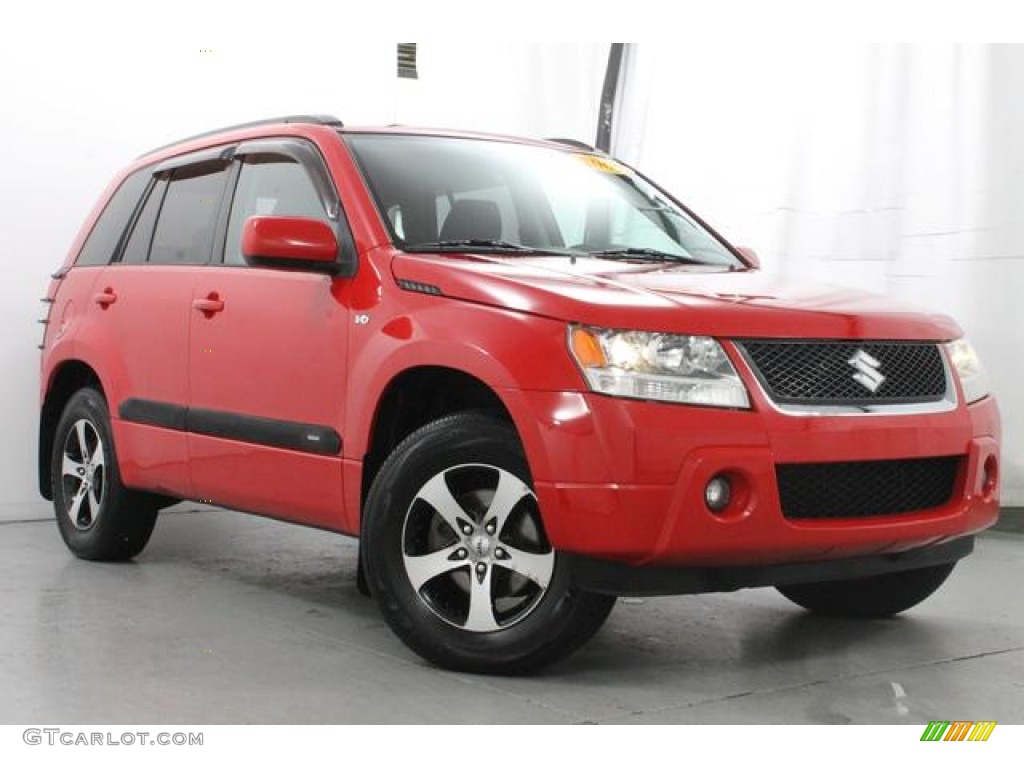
[66, 378]
[415, 397]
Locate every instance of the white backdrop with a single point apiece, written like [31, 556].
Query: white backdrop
[895, 169]
[76, 111]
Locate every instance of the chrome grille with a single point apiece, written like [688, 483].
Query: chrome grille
[847, 372]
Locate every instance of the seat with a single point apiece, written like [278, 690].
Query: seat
[472, 220]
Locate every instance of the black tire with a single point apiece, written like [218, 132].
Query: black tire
[873, 597]
[479, 611]
[98, 518]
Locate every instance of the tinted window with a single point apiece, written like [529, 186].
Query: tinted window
[434, 188]
[136, 250]
[270, 185]
[106, 234]
[188, 216]
[500, 196]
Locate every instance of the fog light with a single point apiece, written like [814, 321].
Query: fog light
[990, 477]
[717, 493]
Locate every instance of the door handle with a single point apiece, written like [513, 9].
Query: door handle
[211, 304]
[106, 298]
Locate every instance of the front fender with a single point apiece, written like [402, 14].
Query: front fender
[509, 352]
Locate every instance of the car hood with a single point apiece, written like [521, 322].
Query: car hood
[669, 297]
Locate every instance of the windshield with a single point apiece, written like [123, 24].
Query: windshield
[439, 193]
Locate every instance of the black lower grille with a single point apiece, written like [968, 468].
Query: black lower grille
[865, 488]
[847, 372]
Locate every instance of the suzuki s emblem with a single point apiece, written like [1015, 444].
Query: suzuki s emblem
[867, 374]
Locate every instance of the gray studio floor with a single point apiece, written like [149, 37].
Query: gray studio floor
[233, 619]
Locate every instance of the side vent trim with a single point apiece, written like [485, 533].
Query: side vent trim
[415, 287]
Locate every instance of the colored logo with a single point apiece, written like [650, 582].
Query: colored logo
[959, 730]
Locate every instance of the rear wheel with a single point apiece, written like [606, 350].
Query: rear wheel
[871, 597]
[457, 557]
[98, 518]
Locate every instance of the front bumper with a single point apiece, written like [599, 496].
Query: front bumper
[623, 481]
[612, 578]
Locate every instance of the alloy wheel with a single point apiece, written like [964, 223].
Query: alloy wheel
[474, 549]
[83, 475]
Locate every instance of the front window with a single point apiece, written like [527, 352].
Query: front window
[270, 185]
[440, 193]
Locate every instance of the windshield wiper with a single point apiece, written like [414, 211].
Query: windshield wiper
[504, 246]
[648, 253]
[475, 243]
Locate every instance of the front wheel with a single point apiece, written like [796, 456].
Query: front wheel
[457, 557]
[873, 597]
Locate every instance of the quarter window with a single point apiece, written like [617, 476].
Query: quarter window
[102, 242]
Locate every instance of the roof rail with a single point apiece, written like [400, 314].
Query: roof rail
[328, 120]
[573, 143]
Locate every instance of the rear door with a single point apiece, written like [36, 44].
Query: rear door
[268, 348]
[144, 302]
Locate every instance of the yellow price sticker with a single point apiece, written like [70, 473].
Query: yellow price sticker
[604, 164]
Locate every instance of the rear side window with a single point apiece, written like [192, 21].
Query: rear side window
[102, 242]
[188, 217]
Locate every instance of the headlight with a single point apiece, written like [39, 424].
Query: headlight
[657, 366]
[969, 368]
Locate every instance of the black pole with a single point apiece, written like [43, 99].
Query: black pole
[606, 112]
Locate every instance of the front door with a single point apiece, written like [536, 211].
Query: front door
[267, 361]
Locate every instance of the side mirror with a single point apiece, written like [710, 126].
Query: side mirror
[289, 242]
[750, 256]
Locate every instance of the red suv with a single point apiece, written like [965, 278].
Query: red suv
[527, 377]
